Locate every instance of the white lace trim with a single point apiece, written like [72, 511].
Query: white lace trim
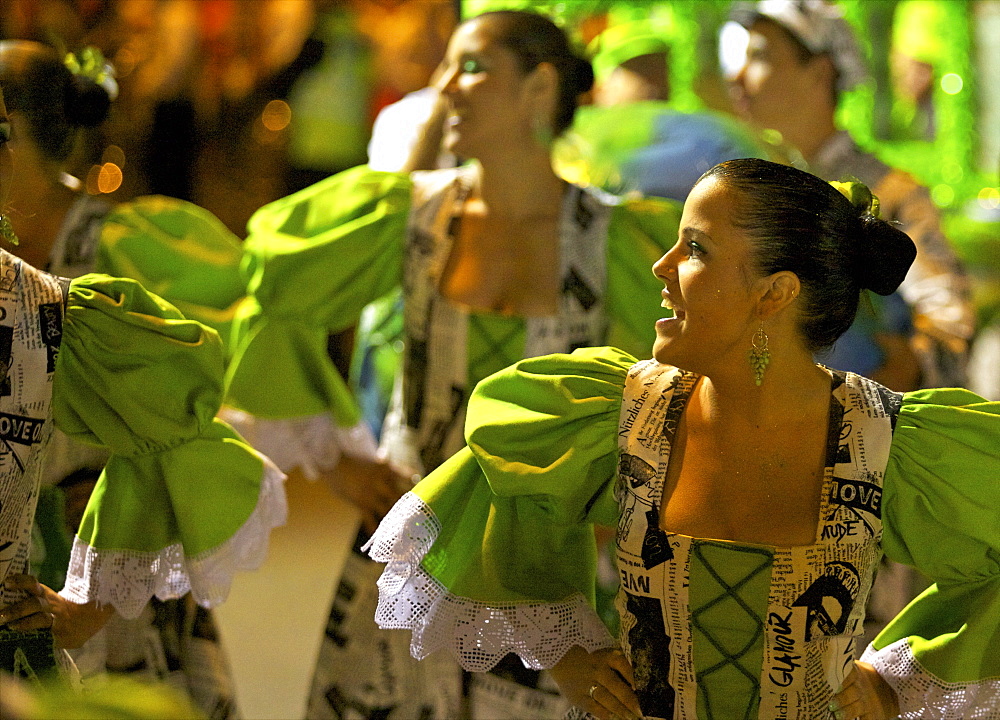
[477, 633]
[127, 579]
[311, 443]
[922, 696]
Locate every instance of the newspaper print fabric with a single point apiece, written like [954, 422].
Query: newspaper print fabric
[74, 252]
[720, 629]
[425, 425]
[426, 420]
[31, 316]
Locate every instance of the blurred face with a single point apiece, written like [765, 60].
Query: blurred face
[774, 85]
[708, 279]
[640, 78]
[6, 158]
[484, 87]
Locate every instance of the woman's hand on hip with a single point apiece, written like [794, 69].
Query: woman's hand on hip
[600, 682]
[71, 624]
[864, 696]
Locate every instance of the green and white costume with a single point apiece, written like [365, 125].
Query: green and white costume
[321, 255]
[187, 256]
[494, 552]
[183, 502]
[174, 248]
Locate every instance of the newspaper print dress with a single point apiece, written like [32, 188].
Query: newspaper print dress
[30, 333]
[494, 552]
[448, 349]
[31, 312]
[722, 629]
[135, 376]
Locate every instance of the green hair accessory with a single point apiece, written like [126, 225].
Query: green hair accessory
[90, 63]
[858, 194]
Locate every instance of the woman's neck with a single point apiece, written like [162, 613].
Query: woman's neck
[790, 382]
[38, 207]
[519, 185]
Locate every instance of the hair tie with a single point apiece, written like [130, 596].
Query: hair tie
[858, 194]
[90, 64]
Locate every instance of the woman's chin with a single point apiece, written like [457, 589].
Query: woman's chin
[662, 354]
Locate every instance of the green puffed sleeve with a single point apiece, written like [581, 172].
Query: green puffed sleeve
[941, 514]
[641, 231]
[183, 502]
[179, 251]
[494, 551]
[317, 257]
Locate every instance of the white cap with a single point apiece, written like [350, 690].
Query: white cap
[819, 26]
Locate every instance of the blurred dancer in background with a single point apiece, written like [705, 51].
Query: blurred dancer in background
[499, 259]
[174, 248]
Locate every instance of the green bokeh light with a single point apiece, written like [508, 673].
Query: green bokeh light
[952, 84]
[943, 195]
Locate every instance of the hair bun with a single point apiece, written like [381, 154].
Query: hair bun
[884, 255]
[582, 73]
[87, 103]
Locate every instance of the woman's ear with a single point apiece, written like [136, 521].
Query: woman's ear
[541, 86]
[780, 290]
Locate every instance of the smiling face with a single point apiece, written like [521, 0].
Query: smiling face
[485, 89]
[711, 282]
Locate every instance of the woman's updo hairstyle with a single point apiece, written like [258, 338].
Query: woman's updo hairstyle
[535, 39]
[828, 234]
[56, 103]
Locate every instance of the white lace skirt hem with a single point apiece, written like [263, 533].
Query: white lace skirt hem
[127, 579]
[479, 634]
[922, 696]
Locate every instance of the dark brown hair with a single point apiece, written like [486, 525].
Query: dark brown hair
[56, 102]
[835, 246]
[535, 39]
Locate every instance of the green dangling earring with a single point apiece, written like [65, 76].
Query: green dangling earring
[759, 355]
[542, 131]
[7, 233]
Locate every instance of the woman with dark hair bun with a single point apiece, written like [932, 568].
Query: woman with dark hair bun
[496, 260]
[178, 249]
[55, 102]
[753, 491]
[182, 502]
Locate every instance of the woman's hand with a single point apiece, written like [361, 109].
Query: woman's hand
[865, 696]
[370, 485]
[600, 682]
[427, 149]
[71, 624]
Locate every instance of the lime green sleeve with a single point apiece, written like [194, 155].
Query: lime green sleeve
[183, 502]
[179, 251]
[494, 551]
[941, 514]
[315, 259]
[640, 232]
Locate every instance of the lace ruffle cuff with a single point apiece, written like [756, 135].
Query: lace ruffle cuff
[127, 579]
[478, 633]
[922, 696]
